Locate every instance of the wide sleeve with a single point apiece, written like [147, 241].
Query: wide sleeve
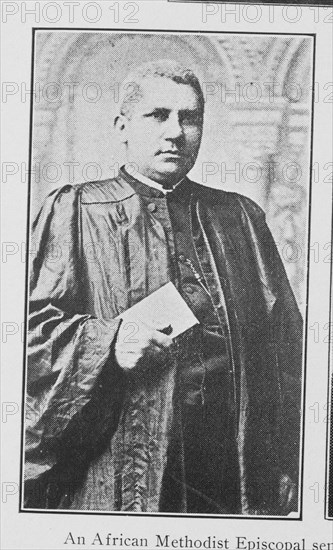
[73, 388]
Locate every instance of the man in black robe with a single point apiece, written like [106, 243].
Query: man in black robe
[209, 424]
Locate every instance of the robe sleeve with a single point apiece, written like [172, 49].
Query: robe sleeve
[73, 387]
[286, 341]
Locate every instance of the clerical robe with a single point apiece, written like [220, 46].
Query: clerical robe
[100, 439]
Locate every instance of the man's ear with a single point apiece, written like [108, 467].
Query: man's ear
[120, 124]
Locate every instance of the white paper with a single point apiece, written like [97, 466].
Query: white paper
[162, 308]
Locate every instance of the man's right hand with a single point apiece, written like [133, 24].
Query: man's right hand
[138, 344]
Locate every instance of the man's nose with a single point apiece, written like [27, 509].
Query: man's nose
[173, 128]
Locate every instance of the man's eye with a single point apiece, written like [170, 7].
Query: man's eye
[160, 116]
[190, 118]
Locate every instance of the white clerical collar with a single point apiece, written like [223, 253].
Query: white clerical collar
[154, 184]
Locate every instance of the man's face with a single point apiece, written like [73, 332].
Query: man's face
[163, 133]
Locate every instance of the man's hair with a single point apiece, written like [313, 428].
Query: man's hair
[131, 91]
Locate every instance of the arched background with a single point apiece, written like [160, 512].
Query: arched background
[257, 123]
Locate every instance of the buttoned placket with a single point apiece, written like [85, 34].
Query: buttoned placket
[158, 207]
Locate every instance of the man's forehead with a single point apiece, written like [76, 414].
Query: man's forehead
[164, 93]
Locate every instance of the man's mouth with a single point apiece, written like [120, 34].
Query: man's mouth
[171, 153]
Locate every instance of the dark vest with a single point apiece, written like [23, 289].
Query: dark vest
[209, 439]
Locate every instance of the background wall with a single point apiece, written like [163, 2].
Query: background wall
[257, 124]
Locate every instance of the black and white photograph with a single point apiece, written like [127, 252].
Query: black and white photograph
[168, 238]
[166, 270]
